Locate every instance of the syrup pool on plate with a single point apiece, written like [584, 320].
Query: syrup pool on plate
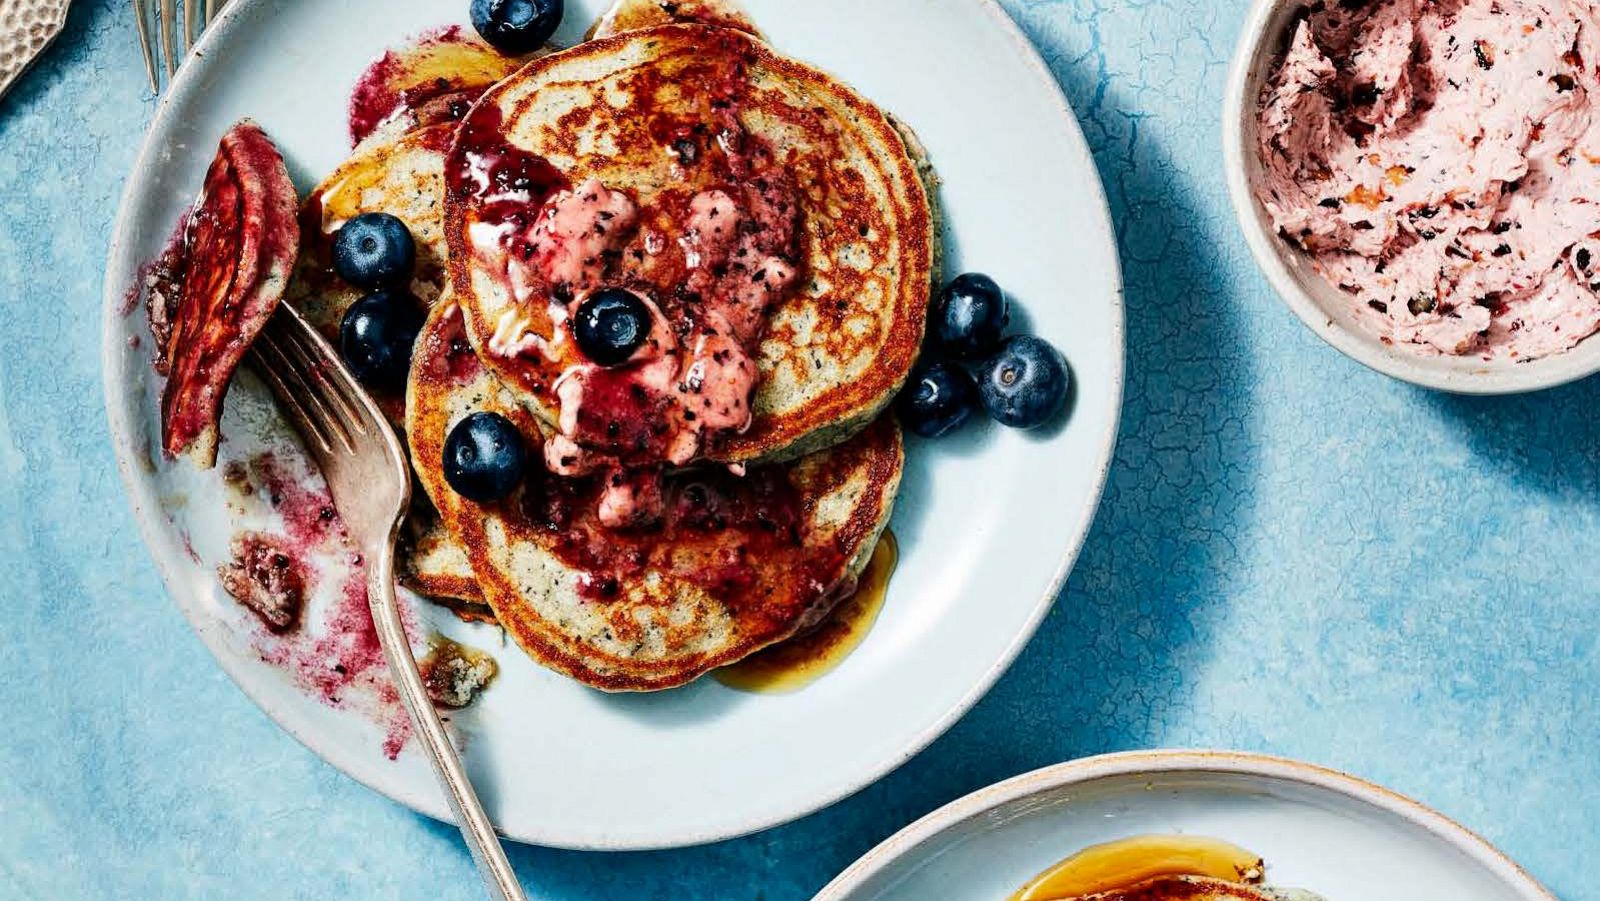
[802, 660]
[1127, 862]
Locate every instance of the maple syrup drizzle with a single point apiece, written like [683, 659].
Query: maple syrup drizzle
[794, 664]
[1127, 862]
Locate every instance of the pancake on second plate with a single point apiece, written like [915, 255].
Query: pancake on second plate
[1158, 867]
[627, 149]
[1199, 888]
[632, 15]
[736, 563]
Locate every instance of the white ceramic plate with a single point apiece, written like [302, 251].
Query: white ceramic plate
[988, 522]
[1317, 829]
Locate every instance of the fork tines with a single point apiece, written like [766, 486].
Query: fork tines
[174, 36]
[317, 400]
[166, 19]
[141, 20]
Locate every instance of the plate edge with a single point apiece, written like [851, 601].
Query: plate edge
[1189, 761]
[433, 806]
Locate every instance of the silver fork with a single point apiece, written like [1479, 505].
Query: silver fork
[167, 22]
[367, 473]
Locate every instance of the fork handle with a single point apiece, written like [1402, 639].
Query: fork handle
[498, 876]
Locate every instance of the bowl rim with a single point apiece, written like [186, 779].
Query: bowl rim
[1204, 762]
[1269, 251]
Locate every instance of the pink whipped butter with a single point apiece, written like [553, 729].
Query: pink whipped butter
[683, 383]
[1440, 161]
[573, 235]
[691, 388]
[709, 258]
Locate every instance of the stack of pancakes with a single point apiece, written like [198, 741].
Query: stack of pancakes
[798, 499]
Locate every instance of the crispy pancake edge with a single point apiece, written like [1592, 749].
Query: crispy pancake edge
[849, 406]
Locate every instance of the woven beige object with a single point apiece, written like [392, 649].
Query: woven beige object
[26, 28]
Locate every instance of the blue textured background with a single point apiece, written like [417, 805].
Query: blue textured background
[1294, 555]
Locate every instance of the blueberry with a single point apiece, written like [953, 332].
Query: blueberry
[1025, 384]
[969, 316]
[484, 457]
[610, 325]
[374, 250]
[376, 336]
[516, 26]
[937, 399]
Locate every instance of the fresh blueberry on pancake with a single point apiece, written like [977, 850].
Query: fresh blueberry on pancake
[611, 324]
[969, 317]
[1025, 385]
[484, 457]
[732, 563]
[937, 399]
[374, 250]
[773, 223]
[516, 26]
[377, 335]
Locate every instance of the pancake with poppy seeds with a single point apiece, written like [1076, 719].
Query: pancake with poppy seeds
[403, 113]
[431, 562]
[404, 177]
[734, 564]
[774, 222]
[632, 15]
[1194, 888]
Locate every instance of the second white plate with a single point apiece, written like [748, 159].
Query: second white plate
[1317, 829]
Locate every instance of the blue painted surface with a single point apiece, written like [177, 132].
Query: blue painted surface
[1294, 555]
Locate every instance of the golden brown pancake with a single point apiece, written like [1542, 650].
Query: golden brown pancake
[435, 78]
[1198, 888]
[648, 113]
[736, 564]
[632, 15]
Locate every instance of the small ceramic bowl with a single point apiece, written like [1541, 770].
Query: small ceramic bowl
[1321, 306]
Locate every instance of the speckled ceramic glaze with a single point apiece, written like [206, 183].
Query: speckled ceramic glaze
[1317, 829]
[1295, 554]
[557, 763]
